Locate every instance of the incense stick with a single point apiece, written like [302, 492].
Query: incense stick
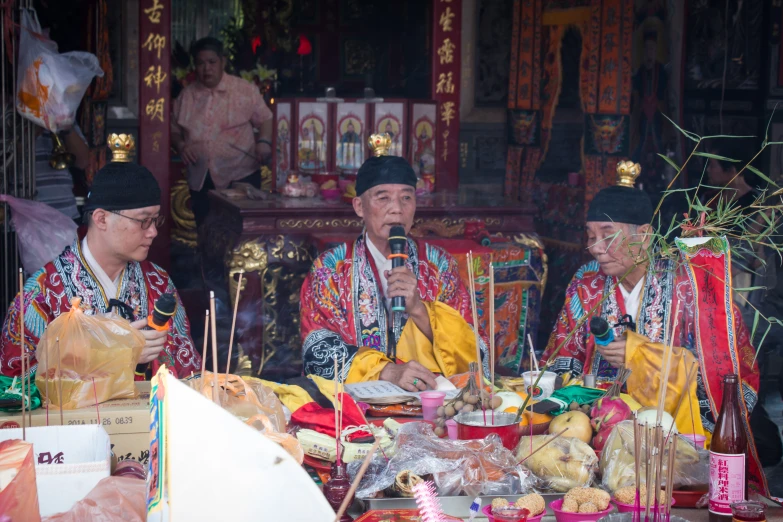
[691, 372]
[204, 349]
[550, 441]
[336, 412]
[533, 352]
[22, 353]
[667, 499]
[95, 392]
[667, 360]
[60, 380]
[356, 480]
[46, 381]
[491, 337]
[215, 396]
[472, 290]
[637, 452]
[342, 399]
[648, 470]
[234, 321]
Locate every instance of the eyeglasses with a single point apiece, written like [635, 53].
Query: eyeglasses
[146, 222]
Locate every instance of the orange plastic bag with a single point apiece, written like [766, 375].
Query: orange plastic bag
[19, 497]
[114, 499]
[92, 362]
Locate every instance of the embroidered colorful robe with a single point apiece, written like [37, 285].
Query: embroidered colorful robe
[709, 326]
[48, 293]
[343, 314]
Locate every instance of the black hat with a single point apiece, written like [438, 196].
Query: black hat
[622, 203]
[121, 184]
[382, 169]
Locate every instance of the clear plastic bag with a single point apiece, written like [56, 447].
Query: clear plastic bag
[458, 467]
[617, 461]
[50, 86]
[42, 232]
[93, 361]
[18, 491]
[564, 464]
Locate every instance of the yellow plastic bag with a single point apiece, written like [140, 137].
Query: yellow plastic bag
[92, 362]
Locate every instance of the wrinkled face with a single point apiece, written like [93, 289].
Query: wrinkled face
[385, 206]
[125, 238]
[717, 175]
[616, 246]
[209, 68]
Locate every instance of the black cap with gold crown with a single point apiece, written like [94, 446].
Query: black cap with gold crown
[122, 184]
[622, 203]
[382, 169]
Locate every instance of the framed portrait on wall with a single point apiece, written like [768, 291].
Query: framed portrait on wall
[282, 159]
[312, 137]
[423, 139]
[389, 117]
[350, 136]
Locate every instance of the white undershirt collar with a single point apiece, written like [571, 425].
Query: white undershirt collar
[109, 287]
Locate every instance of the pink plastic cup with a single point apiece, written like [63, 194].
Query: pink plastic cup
[430, 402]
[563, 516]
[487, 510]
[451, 426]
[698, 440]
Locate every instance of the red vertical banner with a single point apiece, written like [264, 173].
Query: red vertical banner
[153, 141]
[446, 63]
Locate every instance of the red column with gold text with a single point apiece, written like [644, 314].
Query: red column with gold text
[154, 107]
[446, 59]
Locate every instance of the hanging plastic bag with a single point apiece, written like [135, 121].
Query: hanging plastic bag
[93, 362]
[50, 86]
[42, 232]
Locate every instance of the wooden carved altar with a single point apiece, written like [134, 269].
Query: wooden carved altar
[275, 240]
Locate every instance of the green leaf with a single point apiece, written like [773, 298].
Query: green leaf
[755, 324]
[670, 161]
[760, 174]
[749, 288]
[761, 342]
[689, 135]
[714, 156]
[725, 136]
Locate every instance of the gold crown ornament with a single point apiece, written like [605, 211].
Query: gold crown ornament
[380, 144]
[627, 172]
[123, 147]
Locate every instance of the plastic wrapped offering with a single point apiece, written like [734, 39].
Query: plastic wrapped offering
[564, 464]
[457, 467]
[617, 461]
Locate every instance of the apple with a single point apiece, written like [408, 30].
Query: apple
[578, 425]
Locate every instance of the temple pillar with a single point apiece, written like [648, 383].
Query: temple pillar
[153, 141]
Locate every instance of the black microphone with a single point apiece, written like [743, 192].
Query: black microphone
[397, 242]
[601, 330]
[162, 312]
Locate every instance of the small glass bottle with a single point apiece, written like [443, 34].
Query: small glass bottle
[748, 512]
[336, 489]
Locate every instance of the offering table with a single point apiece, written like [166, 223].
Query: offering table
[274, 240]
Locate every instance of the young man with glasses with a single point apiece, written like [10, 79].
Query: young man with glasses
[108, 269]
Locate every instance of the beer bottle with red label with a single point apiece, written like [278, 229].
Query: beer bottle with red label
[728, 461]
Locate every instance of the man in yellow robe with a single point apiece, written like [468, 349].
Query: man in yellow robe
[345, 300]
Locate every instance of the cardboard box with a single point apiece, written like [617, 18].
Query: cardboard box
[127, 421]
[69, 463]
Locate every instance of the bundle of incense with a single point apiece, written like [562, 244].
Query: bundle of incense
[637, 455]
[234, 321]
[213, 325]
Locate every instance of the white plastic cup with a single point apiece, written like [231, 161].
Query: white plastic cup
[430, 402]
[545, 386]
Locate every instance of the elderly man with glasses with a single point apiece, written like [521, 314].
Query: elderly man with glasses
[108, 270]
